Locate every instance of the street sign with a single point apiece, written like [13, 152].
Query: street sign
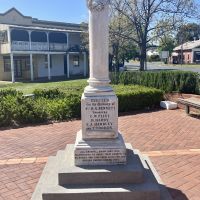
[164, 54]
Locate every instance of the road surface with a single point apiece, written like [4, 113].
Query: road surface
[160, 66]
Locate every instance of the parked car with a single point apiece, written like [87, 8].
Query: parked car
[122, 69]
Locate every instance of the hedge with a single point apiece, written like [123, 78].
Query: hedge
[168, 81]
[133, 97]
[55, 105]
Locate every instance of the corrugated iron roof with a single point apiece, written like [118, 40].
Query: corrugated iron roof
[188, 45]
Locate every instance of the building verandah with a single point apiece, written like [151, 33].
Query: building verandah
[31, 66]
[35, 53]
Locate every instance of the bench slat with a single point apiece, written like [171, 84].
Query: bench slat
[193, 102]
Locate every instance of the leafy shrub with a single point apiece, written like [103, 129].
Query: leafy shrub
[168, 81]
[153, 58]
[64, 109]
[57, 105]
[11, 92]
[7, 106]
[133, 97]
[28, 110]
[48, 93]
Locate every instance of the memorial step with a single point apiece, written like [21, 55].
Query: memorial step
[49, 189]
[99, 192]
[116, 174]
[141, 191]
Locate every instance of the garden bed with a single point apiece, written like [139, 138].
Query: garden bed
[65, 103]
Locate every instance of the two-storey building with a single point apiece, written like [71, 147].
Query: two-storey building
[32, 49]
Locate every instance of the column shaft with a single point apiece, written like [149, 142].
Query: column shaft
[99, 45]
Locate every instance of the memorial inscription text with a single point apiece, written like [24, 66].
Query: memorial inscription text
[101, 155]
[100, 112]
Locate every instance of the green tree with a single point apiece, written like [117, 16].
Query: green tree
[84, 37]
[167, 43]
[144, 18]
[188, 32]
[122, 48]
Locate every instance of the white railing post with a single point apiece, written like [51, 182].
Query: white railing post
[68, 66]
[9, 39]
[67, 40]
[49, 66]
[48, 41]
[30, 42]
[12, 68]
[85, 64]
[31, 65]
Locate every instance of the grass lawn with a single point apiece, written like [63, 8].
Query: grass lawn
[29, 87]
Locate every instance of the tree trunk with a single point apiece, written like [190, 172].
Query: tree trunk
[143, 57]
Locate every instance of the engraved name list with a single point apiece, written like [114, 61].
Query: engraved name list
[100, 112]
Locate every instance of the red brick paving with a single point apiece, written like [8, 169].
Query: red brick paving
[160, 131]
[19, 181]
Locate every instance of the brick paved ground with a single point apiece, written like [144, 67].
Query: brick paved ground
[170, 138]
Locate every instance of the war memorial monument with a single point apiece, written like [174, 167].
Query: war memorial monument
[99, 166]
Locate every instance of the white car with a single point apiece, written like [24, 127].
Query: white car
[122, 69]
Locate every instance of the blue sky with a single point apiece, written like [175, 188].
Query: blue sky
[72, 11]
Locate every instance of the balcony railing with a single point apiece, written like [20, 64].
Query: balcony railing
[58, 47]
[38, 46]
[20, 46]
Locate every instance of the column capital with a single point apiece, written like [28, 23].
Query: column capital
[97, 5]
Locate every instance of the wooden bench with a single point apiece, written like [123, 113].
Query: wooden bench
[190, 102]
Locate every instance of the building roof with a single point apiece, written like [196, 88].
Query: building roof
[39, 23]
[38, 28]
[188, 45]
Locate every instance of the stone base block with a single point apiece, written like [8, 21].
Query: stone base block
[169, 105]
[91, 175]
[57, 182]
[99, 151]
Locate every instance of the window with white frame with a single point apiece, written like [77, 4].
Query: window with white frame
[46, 61]
[76, 60]
[7, 64]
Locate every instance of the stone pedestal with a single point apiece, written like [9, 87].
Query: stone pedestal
[99, 151]
[99, 143]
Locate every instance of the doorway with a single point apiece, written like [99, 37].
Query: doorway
[18, 68]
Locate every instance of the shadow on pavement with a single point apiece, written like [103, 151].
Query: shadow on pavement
[177, 194]
[14, 126]
[195, 115]
[137, 112]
